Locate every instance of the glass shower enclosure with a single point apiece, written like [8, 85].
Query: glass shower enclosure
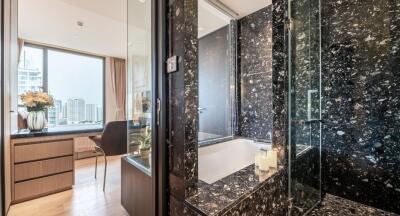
[304, 106]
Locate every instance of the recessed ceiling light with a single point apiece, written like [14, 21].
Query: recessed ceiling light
[143, 1]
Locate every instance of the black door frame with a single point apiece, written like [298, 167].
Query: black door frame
[159, 47]
[2, 186]
[159, 91]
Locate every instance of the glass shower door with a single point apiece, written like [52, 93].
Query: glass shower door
[304, 106]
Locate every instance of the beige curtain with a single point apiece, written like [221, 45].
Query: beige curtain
[21, 43]
[118, 80]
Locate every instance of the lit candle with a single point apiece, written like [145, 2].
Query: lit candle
[257, 159]
[263, 162]
[272, 156]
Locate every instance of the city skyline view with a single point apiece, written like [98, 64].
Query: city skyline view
[74, 111]
[81, 74]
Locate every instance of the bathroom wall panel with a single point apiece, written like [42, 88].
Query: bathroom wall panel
[255, 60]
[361, 101]
[183, 99]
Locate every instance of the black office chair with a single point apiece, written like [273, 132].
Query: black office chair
[113, 141]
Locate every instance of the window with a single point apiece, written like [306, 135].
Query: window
[30, 70]
[75, 81]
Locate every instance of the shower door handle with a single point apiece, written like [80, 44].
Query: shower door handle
[309, 105]
[201, 109]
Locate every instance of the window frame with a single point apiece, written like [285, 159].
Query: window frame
[45, 80]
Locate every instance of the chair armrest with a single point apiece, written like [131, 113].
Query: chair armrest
[96, 139]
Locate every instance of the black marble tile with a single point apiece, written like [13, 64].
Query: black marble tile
[333, 205]
[263, 80]
[255, 57]
[220, 196]
[360, 90]
[269, 199]
[183, 99]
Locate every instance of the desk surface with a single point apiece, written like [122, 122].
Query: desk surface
[56, 131]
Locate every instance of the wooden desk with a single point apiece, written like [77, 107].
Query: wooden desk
[42, 163]
[137, 195]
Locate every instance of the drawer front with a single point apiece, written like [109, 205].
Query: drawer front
[42, 186]
[36, 169]
[44, 150]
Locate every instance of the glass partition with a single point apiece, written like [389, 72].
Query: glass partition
[304, 107]
[139, 83]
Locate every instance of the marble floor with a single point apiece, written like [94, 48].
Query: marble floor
[333, 205]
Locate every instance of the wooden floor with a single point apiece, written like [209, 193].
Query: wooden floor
[86, 198]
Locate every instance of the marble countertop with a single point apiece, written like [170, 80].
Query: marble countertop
[61, 130]
[213, 199]
[144, 164]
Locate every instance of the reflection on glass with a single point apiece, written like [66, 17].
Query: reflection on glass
[215, 72]
[304, 107]
[139, 92]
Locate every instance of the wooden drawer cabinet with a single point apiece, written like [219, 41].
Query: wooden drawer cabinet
[41, 166]
[42, 186]
[30, 170]
[43, 150]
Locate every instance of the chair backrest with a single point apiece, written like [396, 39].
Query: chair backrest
[22, 123]
[114, 138]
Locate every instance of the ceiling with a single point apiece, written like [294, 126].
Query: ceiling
[116, 10]
[104, 29]
[212, 19]
[246, 7]
[104, 32]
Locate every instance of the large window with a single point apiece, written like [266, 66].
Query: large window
[75, 80]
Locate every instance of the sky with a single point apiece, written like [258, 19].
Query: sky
[75, 76]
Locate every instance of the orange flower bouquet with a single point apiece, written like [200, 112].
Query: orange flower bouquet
[36, 103]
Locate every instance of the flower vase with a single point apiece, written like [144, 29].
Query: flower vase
[36, 120]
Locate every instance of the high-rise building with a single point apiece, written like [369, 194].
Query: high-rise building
[75, 110]
[30, 76]
[52, 116]
[55, 113]
[65, 112]
[99, 114]
[91, 112]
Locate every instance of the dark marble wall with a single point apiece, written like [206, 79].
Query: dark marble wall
[268, 199]
[305, 76]
[361, 101]
[255, 69]
[269, 80]
[183, 102]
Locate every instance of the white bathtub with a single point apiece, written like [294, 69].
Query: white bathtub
[223, 159]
